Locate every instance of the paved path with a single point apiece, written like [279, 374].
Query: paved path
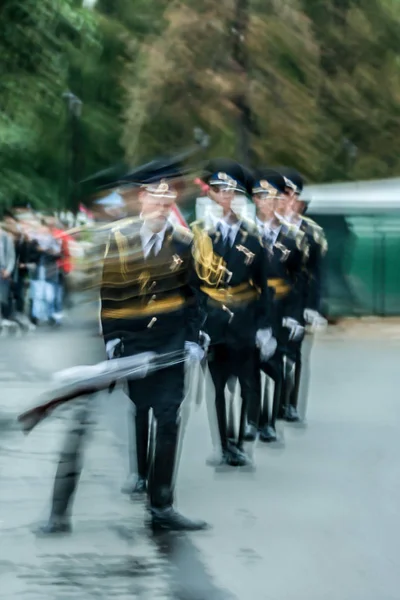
[318, 519]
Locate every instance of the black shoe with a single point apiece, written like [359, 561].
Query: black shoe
[134, 485]
[169, 520]
[250, 434]
[220, 457]
[292, 416]
[268, 435]
[140, 487]
[54, 527]
[237, 458]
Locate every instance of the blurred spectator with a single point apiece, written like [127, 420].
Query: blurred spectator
[7, 263]
[64, 264]
[46, 252]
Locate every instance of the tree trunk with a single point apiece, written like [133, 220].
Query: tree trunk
[241, 98]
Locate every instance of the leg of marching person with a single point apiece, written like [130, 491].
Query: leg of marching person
[138, 448]
[220, 370]
[164, 392]
[231, 401]
[292, 415]
[161, 486]
[254, 408]
[304, 385]
[186, 409]
[209, 393]
[287, 384]
[69, 469]
[243, 363]
[274, 371]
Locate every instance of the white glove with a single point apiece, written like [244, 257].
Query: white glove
[194, 351]
[315, 320]
[205, 341]
[110, 348]
[262, 336]
[266, 343]
[296, 330]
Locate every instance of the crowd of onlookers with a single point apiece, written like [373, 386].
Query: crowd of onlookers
[35, 261]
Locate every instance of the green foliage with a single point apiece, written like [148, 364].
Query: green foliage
[35, 42]
[320, 84]
[310, 83]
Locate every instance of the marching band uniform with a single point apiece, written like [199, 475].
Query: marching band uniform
[149, 302]
[231, 264]
[250, 287]
[311, 297]
[285, 252]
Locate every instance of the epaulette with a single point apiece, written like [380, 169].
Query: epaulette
[300, 238]
[318, 234]
[311, 223]
[183, 234]
[251, 225]
[296, 235]
[289, 229]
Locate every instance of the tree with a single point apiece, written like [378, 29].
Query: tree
[311, 83]
[34, 42]
[360, 86]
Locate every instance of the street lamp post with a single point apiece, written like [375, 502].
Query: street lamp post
[74, 107]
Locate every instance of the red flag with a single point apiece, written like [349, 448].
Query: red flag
[177, 218]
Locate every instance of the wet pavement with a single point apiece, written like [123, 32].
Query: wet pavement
[317, 520]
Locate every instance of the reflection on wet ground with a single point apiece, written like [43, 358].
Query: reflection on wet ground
[303, 526]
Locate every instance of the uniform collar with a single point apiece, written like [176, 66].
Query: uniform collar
[146, 233]
[296, 222]
[270, 225]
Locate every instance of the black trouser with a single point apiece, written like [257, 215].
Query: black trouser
[274, 370]
[162, 391]
[293, 353]
[225, 362]
[71, 461]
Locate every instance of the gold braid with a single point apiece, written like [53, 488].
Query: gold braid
[122, 251]
[210, 267]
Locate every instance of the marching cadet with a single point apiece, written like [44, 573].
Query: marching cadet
[149, 303]
[285, 257]
[311, 300]
[231, 264]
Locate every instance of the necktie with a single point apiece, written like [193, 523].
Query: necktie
[225, 232]
[152, 253]
[268, 237]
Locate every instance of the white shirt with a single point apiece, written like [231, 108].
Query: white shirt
[228, 230]
[266, 229]
[296, 224]
[146, 235]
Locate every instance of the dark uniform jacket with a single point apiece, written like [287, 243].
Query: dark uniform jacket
[286, 276]
[316, 250]
[151, 304]
[233, 278]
